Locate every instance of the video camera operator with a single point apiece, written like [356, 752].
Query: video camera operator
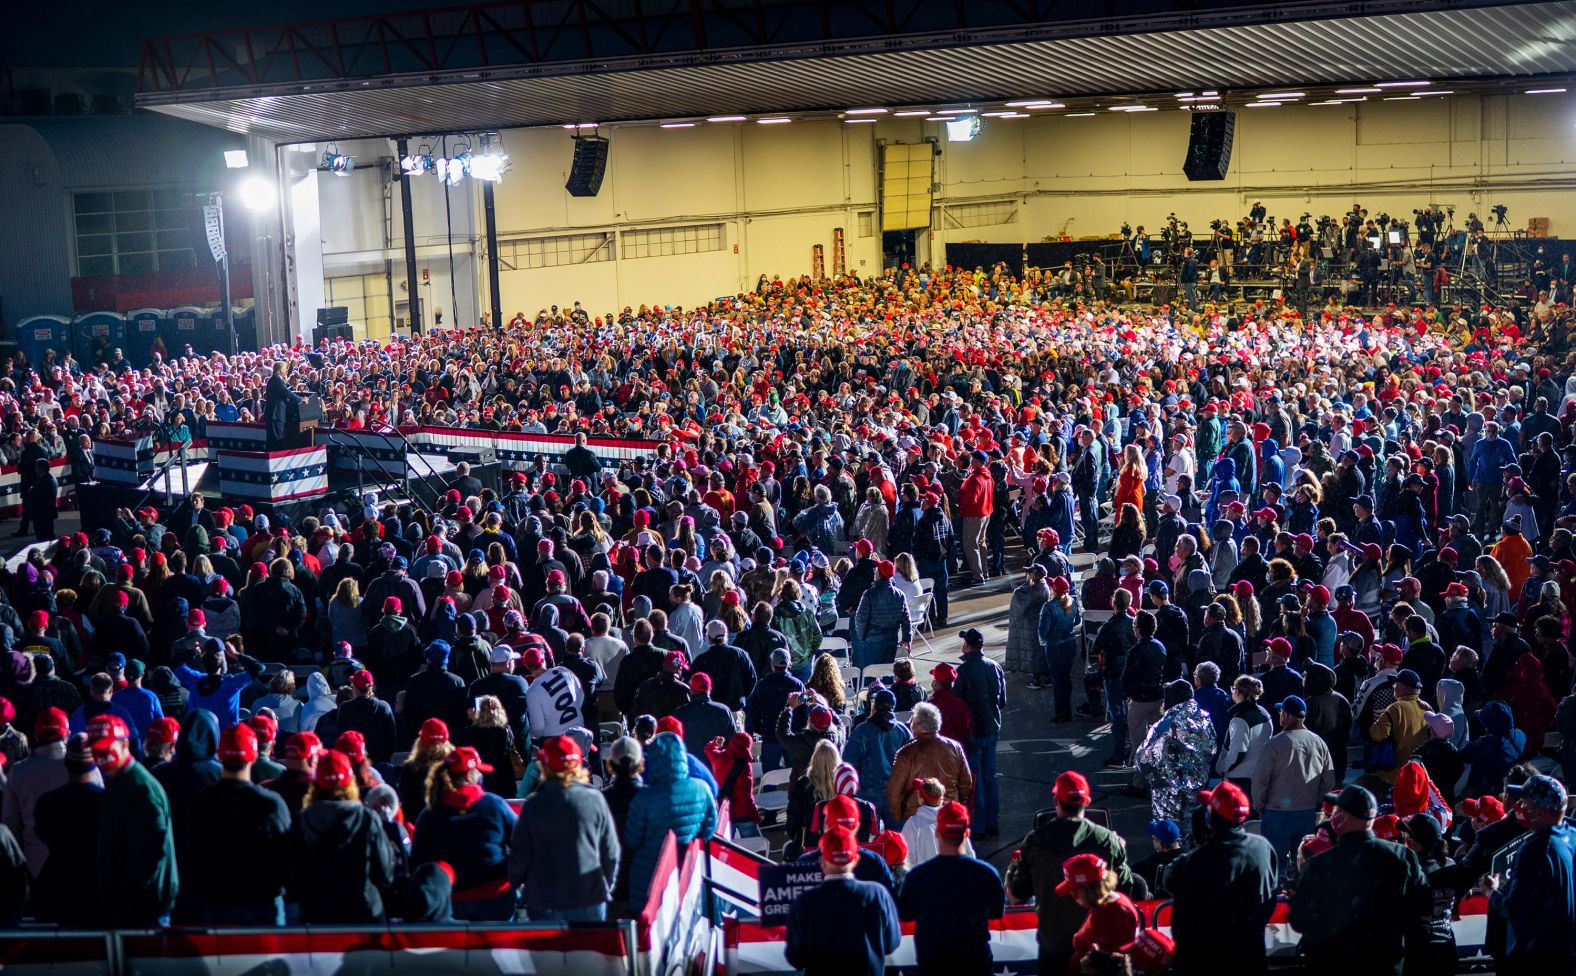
[1256, 215]
[1304, 234]
[1225, 242]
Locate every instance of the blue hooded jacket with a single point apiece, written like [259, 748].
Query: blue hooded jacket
[1224, 478]
[672, 801]
[1490, 756]
[1271, 468]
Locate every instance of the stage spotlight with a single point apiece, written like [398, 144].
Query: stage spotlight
[236, 159]
[490, 165]
[336, 162]
[416, 163]
[452, 170]
[964, 129]
[256, 193]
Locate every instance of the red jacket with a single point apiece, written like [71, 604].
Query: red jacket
[741, 806]
[974, 497]
[957, 721]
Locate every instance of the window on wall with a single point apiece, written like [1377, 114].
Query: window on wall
[665, 241]
[136, 231]
[982, 214]
[556, 251]
[867, 223]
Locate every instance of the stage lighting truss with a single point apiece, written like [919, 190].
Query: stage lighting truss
[488, 162]
[337, 162]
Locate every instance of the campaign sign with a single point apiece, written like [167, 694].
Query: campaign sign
[781, 884]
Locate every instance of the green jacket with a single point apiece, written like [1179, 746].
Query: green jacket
[1039, 871]
[137, 880]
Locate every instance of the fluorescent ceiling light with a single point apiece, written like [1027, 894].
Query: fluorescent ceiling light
[728, 118]
[778, 120]
[1184, 94]
[858, 121]
[580, 125]
[957, 111]
[1357, 91]
[1211, 93]
[1426, 94]
[868, 111]
[1265, 104]
[1132, 108]
[938, 118]
[1079, 115]
[1274, 95]
[1020, 103]
[1045, 105]
[1403, 98]
[1000, 115]
[911, 113]
[1015, 115]
[1402, 84]
[1545, 91]
[678, 125]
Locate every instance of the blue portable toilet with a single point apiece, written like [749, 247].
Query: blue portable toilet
[88, 329]
[43, 332]
[142, 327]
[182, 328]
[246, 329]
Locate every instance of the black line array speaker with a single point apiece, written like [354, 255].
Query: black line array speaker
[333, 315]
[1209, 145]
[585, 173]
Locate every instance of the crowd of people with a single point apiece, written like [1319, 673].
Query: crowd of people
[1332, 600]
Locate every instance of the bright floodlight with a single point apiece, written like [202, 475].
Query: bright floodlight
[256, 193]
[451, 170]
[415, 164]
[490, 166]
[236, 159]
[964, 129]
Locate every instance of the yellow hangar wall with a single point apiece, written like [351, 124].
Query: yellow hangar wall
[687, 214]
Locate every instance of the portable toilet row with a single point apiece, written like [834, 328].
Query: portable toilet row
[138, 335]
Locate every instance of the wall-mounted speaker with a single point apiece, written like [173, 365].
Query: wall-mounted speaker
[585, 173]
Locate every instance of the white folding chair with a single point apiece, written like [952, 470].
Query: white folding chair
[771, 791]
[851, 682]
[919, 617]
[927, 585]
[875, 671]
[835, 646]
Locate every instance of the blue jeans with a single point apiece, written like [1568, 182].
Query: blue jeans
[803, 674]
[589, 913]
[987, 797]
[268, 913]
[935, 569]
[1089, 515]
[1116, 713]
[1284, 828]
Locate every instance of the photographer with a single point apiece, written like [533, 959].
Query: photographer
[1141, 245]
[1426, 265]
[1225, 244]
[1187, 276]
[1256, 215]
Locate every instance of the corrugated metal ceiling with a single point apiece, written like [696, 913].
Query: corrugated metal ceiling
[1482, 42]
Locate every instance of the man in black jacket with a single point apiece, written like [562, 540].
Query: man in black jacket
[508, 687]
[1171, 630]
[1221, 645]
[858, 579]
[369, 715]
[432, 692]
[731, 671]
[1111, 644]
[983, 687]
[1357, 903]
[1143, 678]
[643, 661]
[241, 831]
[1503, 654]
[1222, 892]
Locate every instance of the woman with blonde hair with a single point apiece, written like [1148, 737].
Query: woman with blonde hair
[489, 734]
[827, 681]
[1113, 921]
[905, 575]
[872, 520]
[432, 746]
[1496, 587]
[817, 785]
[344, 615]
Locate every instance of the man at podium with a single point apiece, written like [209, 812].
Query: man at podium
[281, 408]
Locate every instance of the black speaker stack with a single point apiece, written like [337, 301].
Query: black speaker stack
[1209, 145]
[590, 162]
[333, 323]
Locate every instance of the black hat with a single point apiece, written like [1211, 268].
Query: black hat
[972, 637]
[1507, 618]
[1409, 678]
[1358, 802]
[1423, 828]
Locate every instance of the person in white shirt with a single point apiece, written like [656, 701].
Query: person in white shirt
[919, 832]
[1180, 463]
[605, 649]
[1247, 733]
[554, 701]
[1338, 571]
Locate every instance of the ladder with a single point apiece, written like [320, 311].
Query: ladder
[839, 255]
[818, 262]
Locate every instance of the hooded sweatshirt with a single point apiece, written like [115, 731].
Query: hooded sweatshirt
[319, 702]
[341, 861]
[193, 770]
[1490, 755]
[1452, 694]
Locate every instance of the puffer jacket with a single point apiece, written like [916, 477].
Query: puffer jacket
[927, 756]
[872, 750]
[1490, 756]
[822, 527]
[797, 622]
[879, 624]
[671, 801]
[1023, 628]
